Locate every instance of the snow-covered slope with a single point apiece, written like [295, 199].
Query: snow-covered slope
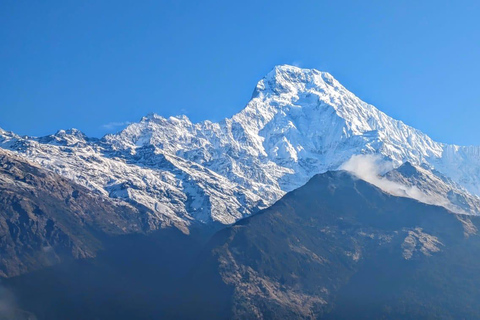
[432, 187]
[299, 122]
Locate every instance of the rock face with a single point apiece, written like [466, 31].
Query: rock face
[340, 248]
[45, 218]
[299, 122]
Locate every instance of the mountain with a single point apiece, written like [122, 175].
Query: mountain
[432, 187]
[299, 122]
[335, 248]
[421, 183]
[46, 219]
[341, 248]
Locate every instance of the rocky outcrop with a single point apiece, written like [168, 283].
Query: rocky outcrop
[45, 218]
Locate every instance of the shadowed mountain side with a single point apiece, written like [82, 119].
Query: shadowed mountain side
[336, 248]
[45, 218]
[338, 243]
[135, 276]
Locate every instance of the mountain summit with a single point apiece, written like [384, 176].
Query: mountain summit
[299, 122]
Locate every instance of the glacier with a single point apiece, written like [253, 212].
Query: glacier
[298, 123]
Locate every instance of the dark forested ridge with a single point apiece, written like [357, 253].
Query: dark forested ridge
[336, 248]
[340, 248]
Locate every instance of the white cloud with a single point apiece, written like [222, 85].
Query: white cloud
[114, 125]
[8, 304]
[297, 63]
[371, 168]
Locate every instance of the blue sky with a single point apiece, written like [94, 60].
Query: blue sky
[94, 65]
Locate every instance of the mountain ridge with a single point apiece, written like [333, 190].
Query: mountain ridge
[46, 219]
[342, 248]
[299, 122]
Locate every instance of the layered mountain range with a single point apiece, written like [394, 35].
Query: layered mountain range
[45, 218]
[309, 203]
[341, 248]
[299, 122]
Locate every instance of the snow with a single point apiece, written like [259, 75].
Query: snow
[299, 122]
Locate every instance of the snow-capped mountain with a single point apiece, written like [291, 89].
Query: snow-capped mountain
[432, 187]
[299, 122]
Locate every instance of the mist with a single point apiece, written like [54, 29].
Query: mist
[9, 309]
[371, 168]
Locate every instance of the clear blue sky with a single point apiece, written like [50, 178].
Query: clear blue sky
[86, 64]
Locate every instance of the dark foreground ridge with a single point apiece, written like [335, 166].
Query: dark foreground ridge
[336, 248]
[340, 248]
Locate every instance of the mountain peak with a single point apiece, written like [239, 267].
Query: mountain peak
[70, 132]
[70, 136]
[300, 123]
[407, 169]
[66, 137]
[293, 70]
[158, 118]
[288, 78]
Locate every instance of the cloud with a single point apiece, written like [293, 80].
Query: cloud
[9, 308]
[371, 168]
[114, 125]
[297, 63]
[7, 302]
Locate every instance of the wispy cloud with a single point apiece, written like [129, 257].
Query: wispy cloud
[8, 305]
[114, 125]
[297, 63]
[371, 168]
